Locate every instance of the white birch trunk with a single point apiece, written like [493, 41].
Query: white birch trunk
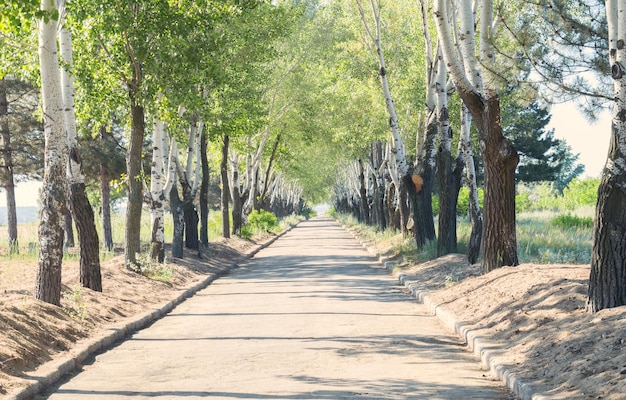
[397, 141]
[54, 187]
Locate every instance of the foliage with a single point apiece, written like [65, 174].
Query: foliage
[542, 156]
[262, 221]
[150, 268]
[567, 221]
[77, 305]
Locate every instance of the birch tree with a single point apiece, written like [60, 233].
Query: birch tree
[478, 92]
[607, 281]
[54, 187]
[82, 212]
[397, 149]
[162, 177]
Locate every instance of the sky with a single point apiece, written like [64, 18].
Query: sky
[589, 140]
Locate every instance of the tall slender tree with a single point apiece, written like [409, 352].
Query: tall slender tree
[54, 189]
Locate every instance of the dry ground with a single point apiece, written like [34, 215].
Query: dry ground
[33, 333]
[535, 312]
[535, 315]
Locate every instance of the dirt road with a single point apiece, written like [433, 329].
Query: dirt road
[310, 317]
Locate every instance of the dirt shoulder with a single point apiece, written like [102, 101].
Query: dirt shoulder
[533, 321]
[34, 335]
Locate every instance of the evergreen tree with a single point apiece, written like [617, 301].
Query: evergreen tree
[542, 156]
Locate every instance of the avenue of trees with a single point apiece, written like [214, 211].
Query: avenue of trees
[374, 105]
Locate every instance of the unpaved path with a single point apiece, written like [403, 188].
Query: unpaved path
[310, 317]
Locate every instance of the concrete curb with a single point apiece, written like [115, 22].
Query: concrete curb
[482, 347]
[51, 372]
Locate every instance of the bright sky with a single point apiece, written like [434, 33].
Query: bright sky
[589, 140]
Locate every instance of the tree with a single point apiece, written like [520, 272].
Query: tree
[54, 188]
[607, 280]
[542, 156]
[499, 242]
[90, 276]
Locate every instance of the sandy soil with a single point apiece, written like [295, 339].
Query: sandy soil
[535, 315]
[533, 312]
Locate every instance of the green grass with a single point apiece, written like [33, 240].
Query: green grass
[539, 239]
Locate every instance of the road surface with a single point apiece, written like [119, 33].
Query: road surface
[310, 317]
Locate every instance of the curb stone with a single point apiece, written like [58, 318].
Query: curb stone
[481, 346]
[51, 372]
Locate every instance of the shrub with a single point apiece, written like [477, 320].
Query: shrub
[568, 221]
[262, 221]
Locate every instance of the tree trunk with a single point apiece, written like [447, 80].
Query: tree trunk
[54, 191]
[422, 188]
[90, 275]
[82, 212]
[500, 161]
[178, 218]
[364, 203]
[191, 225]
[378, 207]
[135, 188]
[105, 195]
[607, 280]
[235, 195]
[6, 172]
[68, 227]
[225, 189]
[446, 242]
[475, 214]
[204, 194]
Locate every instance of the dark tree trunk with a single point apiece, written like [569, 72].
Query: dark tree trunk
[225, 189]
[378, 207]
[107, 231]
[607, 280]
[364, 203]
[404, 208]
[204, 193]
[447, 240]
[176, 207]
[90, 276]
[237, 204]
[105, 194]
[134, 184]
[500, 161]
[422, 189]
[6, 171]
[191, 225]
[68, 225]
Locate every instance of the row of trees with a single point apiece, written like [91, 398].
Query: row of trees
[548, 50]
[277, 98]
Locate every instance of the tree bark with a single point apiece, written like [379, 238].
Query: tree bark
[225, 189]
[500, 161]
[204, 193]
[90, 276]
[475, 213]
[446, 242]
[176, 207]
[68, 227]
[54, 191]
[191, 225]
[105, 194]
[365, 208]
[607, 279]
[135, 188]
[6, 172]
[421, 187]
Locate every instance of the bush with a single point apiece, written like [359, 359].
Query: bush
[462, 205]
[568, 221]
[262, 221]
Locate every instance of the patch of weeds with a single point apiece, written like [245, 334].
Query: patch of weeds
[152, 269]
[77, 308]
